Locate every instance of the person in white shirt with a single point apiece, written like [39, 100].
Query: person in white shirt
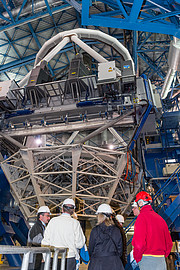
[65, 231]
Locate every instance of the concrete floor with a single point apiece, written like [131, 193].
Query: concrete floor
[83, 267]
[6, 267]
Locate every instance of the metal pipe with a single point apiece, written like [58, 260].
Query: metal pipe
[87, 34]
[55, 259]
[88, 49]
[91, 52]
[25, 261]
[63, 258]
[5, 249]
[167, 83]
[47, 261]
[52, 46]
[173, 61]
[53, 52]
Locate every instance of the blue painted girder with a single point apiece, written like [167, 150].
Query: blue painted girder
[14, 21]
[149, 16]
[172, 212]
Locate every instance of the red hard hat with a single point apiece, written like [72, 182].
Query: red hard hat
[143, 196]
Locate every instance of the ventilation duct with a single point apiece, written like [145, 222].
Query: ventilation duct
[174, 65]
[56, 43]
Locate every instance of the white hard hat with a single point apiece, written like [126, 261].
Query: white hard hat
[104, 208]
[69, 201]
[120, 218]
[134, 204]
[44, 209]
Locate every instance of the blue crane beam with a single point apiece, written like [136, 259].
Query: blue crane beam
[134, 20]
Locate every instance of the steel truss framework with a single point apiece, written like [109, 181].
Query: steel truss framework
[78, 165]
[151, 16]
[91, 175]
[151, 56]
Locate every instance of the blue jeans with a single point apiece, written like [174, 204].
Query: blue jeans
[152, 263]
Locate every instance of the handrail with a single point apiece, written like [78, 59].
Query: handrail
[55, 258]
[27, 251]
[4, 249]
[173, 177]
[166, 183]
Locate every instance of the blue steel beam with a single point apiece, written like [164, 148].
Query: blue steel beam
[8, 48]
[50, 13]
[4, 18]
[122, 9]
[10, 43]
[174, 19]
[19, 13]
[154, 54]
[34, 34]
[158, 63]
[133, 21]
[74, 4]
[152, 65]
[18, 63]
[7, 9]
[38, 43]
[30, 18]
[135, 11]
[135, 49]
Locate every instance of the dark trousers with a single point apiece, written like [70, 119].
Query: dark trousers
[37, 263]
[70, 264]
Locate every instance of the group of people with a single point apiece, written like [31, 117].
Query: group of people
[107, 244]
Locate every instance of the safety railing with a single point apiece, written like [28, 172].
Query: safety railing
[171, 186]
[58, 251]
[27, 251]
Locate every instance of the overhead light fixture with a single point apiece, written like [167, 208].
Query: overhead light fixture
[111, 146]
[170, 160]
[38, 141]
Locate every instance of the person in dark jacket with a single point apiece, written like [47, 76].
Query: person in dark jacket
[36, 234]
[105, 243]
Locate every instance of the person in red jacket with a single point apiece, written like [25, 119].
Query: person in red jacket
[151, 241]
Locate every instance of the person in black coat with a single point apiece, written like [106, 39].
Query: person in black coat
[35, 236]
[105, 243]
